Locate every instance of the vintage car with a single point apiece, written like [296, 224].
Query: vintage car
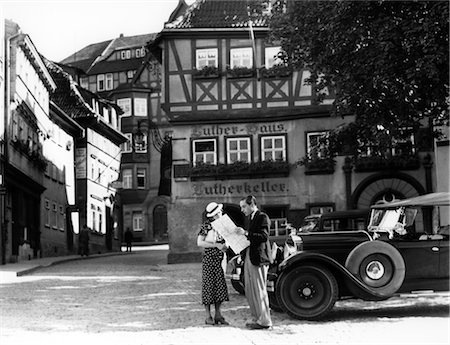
[396, 254]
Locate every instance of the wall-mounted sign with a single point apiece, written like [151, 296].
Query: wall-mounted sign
[238, 188]
[80, 163]
[227, 130]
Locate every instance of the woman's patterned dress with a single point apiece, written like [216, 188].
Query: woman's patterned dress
[214, 286]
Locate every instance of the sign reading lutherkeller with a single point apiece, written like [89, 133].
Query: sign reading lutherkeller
[238, 188]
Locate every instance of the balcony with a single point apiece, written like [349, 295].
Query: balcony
[239, 170]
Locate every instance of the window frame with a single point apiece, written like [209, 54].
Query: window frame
[127, 147]
[310, 147]
[207, 59]
[228, 151]
[215, 152]
[144, 176]
[262, 150]
[109, 81]
[142, 148]
[126, 108]
[127, 180]
[140, 109]
[267, 59]
[101, 82]
[139, 216]
[233, 64]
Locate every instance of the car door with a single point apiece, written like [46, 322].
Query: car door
[421, 258]
[444, 258]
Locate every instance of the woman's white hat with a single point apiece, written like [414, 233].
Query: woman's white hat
[213, 208]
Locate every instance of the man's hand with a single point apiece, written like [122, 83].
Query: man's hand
[241, 231]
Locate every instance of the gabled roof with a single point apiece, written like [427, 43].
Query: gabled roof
[116, 66]
[83, 58]
[89, 57]
[219, 14]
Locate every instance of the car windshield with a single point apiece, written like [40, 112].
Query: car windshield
[387, 220]
[309, 223]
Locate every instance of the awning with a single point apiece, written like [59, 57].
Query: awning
[432, 199]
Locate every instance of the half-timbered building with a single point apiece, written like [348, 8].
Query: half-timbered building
[241, 120]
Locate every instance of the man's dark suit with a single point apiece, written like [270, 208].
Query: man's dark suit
[258, 235]
[256, 265]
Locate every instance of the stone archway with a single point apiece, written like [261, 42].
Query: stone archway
[388, 186]
[385, 186]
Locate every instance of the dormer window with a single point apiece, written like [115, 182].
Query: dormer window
[140, 52]
[125, 54]
[206, 57]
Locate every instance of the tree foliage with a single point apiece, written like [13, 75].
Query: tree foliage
[388, 61]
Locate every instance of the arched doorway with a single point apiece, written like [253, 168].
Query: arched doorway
[160, 223]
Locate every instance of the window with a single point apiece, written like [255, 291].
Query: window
[61, 218]
[204, 151]
[140, 174]
[47, 216]
[138, 221]
[84, 82]
[278, 219]
[273, 148]
[314, 148]
[206, 57]
[55, 216]
[130, 74]
[100, 82]
[141, 148]
[140, 106]
[127, 179]
[241, 57]
[126, 146]
[125, 105]
[271, 58]
[125, 54]
[109, 81]
[140, 52]
[322, 208]
[238, 149]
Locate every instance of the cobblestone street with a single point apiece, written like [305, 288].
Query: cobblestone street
[138, 299]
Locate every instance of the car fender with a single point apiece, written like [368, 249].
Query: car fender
[300, 258]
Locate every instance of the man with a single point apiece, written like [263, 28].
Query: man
[128, 239]
[256, 263]
[83, 240]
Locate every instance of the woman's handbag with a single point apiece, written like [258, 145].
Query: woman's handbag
[211, 236]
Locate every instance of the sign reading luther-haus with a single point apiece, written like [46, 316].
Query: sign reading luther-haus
[217, 130]
[238, 188]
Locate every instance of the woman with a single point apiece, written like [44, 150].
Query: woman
[214, 286]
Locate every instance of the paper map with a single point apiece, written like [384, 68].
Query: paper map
[227, 229]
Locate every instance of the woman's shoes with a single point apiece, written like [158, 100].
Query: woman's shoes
[209, 321]
[220, 321]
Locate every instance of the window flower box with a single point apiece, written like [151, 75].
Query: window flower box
[276, 71]
[317, 166]
[240, 72]
[207, 72]
[239, 170]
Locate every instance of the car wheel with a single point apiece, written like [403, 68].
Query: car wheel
[379, 266]
[273, 302]
[307, 292]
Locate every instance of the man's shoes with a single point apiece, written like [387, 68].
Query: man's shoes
[256, 326]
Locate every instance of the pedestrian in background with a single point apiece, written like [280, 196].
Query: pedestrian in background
[83, 241]
[214, 286]
[257, 257]
[128, 239]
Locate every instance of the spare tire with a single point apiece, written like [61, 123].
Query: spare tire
[379, 266]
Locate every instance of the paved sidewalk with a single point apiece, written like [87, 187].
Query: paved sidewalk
[24, 267]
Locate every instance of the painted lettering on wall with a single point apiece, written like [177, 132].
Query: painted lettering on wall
[244, 188]
[217, 130]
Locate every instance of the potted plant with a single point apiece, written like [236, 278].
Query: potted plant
[240, 72]
[206, 72]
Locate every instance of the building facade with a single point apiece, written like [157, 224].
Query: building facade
[29, 85]
[122, 71]
[242, 121]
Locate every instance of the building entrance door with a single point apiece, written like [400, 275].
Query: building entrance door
[160, 223]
